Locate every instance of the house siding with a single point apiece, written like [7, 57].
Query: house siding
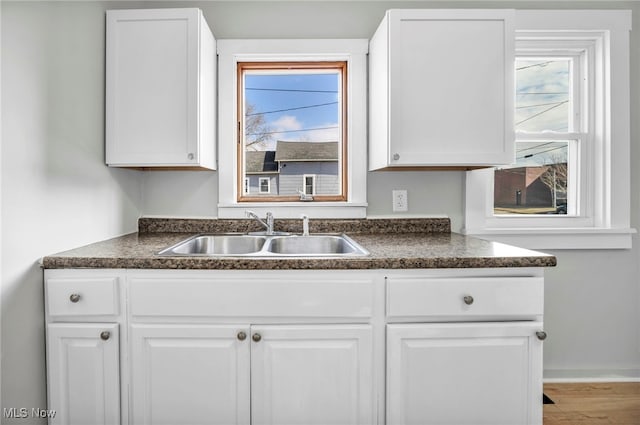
[327, 180]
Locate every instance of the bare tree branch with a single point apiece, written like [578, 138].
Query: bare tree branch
[257, 132]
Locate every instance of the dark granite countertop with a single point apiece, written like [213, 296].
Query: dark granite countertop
[392, 243]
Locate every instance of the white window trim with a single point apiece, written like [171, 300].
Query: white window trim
[313, 185]
[354, 51]
[260, 180]
[606, 224]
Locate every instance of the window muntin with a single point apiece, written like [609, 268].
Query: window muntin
[292, 122]
[545, 179]
[264, 185]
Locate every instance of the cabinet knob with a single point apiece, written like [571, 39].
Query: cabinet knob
[74, 298]
[468, 299]
[105, 335]
[542, 335]
[256, 337]
[190, 156]
[396, 156]
[242, 336]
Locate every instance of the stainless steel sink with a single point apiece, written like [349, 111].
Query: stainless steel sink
[247, 245]
[316, 245]
[217, 245]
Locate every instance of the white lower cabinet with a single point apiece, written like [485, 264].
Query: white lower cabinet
[464, 374]
[321, 347]
[84, 373]
[263, 374]
[312, 374]
[189, 374]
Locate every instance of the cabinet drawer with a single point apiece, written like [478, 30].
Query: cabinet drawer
[466, 298]
[242, 297]
[82, 296]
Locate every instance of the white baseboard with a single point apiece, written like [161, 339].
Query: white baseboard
[591, 375]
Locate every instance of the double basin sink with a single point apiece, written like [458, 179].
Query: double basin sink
[262, 245]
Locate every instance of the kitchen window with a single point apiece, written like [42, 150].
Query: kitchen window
[291, 109]
[569, 186]
[292, 122]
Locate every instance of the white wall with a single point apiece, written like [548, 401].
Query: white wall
[57, 193]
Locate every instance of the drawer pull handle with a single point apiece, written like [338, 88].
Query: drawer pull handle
[242, 336]
[105, 335]
[74, 298]
[256, 337]
[468, 299]
[542, 335]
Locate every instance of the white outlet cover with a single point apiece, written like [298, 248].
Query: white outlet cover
[400, 201]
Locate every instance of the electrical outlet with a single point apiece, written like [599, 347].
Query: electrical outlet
[400, 201]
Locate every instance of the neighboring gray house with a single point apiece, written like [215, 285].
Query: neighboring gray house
[261, 173]
[308, 166]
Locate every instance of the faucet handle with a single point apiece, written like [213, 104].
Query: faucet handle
[305, 196]
[305, 224]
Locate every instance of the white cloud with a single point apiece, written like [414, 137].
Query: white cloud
[324, 135]
[286, 123]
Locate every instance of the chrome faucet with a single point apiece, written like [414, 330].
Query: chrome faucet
[305, 224]
[269, 220]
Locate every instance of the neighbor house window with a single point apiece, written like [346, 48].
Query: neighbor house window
[292, 121]
[569, 184]
[264, 184]
[309, 184]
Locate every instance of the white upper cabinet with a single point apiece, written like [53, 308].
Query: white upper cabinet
[160, 89]
[441, 89]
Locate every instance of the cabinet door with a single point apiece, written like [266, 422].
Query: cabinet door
[450, 88]
[312, 375]
[464, 374]
[159, 78]
[83, 373]
[189, 374]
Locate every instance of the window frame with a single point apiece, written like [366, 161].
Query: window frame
[341, 67]
[354, 52]
[603, 220]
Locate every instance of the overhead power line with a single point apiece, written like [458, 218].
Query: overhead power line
[542, 112]
[535, 64]
[536, 105]
[292, 131]
[540, 153]
[539, 92]
[292, 109]
[292, 90]
[536, 146]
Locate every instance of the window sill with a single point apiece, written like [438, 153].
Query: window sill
[567, 238]
[295, 209]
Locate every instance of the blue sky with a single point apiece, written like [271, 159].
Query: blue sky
[296, 101]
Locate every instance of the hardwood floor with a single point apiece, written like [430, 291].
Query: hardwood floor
[593, 404]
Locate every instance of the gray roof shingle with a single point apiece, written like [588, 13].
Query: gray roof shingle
[306, 151]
